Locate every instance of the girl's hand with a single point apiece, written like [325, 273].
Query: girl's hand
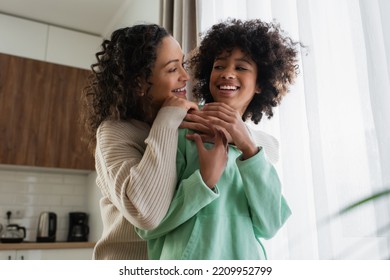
[222, 115]
[212, 161]
[198, 122]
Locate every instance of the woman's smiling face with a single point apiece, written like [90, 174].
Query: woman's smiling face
[233, 79]
[168, 74]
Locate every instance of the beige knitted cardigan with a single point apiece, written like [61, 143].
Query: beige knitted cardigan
[136, 173]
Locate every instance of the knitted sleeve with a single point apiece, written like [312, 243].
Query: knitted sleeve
[139, 181]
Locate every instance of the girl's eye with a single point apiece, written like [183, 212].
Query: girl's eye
[241, 68]
[218, 67]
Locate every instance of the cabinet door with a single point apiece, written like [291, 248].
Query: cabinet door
[65, 254]
[23, 37]
[39, 114]
[68, 47]
[28, 255]
[7, 254]
[47, 254]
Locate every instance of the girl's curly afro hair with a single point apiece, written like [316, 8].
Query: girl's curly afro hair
[274, 54]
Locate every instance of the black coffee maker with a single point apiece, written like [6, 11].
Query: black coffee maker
[78, 227]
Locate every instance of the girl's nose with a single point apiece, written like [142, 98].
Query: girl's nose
[228, 74]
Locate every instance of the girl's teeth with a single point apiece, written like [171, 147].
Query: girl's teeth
[228, 87]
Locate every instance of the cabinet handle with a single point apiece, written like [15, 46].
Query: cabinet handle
[22, 257]
[9, 257]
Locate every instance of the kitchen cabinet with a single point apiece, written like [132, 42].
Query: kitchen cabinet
[72, 48]
[48, 254]
[31, 39]
[23, 37]
[39, 114]
[8, 255]
[19, 255]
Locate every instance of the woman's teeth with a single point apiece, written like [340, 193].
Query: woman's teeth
[179, 89]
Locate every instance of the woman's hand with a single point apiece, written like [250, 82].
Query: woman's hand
[227, 118]
[175, 101]
[212, 161]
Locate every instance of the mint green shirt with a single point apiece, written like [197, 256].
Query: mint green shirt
[227, 223]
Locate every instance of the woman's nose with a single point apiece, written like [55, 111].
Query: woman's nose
[184, 74]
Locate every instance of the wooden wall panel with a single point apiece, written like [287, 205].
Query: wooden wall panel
[39, 112]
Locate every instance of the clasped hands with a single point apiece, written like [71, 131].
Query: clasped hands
[220, 124]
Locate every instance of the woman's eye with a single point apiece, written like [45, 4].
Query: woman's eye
[172, 70]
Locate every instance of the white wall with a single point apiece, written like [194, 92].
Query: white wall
[134, 12]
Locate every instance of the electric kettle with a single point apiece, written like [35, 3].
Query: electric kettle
[13, 234]
[47, 227]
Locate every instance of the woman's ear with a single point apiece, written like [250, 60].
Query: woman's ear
[141, 86]
[257, 90]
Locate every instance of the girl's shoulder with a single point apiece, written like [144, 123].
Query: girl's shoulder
[268, 142]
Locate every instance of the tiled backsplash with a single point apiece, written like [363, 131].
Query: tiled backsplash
[36, 190]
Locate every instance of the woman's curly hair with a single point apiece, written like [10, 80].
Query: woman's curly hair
[274, 54]
[114, 90]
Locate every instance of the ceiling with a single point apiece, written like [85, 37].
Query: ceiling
[89, 16]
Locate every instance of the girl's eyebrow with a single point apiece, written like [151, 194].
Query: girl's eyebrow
[242, 59]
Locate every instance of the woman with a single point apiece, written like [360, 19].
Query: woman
[135, 103]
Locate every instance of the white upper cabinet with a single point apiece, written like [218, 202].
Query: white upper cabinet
[71, 48]
[23, 37]
[45, 42]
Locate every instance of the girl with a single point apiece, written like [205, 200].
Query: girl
[242, 69]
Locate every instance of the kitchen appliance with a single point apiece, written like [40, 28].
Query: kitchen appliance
[78, 227]
[47, 227]
[13, 234]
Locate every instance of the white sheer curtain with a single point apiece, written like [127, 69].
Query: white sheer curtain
[333, 126]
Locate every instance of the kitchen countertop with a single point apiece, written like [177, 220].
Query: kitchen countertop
[44, 246]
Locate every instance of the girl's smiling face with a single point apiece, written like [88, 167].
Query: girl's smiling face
[233, 79]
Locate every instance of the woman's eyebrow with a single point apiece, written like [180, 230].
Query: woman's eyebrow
[173, 61]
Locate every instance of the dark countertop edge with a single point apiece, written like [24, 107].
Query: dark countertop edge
[45, 246]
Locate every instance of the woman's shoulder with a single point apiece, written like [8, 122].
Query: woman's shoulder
[131, 126]
[114, 131]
